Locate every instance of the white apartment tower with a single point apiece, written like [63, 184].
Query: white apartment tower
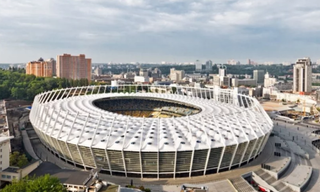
[302, 75]
[4, 152]
[222, 73]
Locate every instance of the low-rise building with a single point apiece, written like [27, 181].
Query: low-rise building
[73, 180]
[274, 94]
[244, 82]
[269, 81]
[141, 79]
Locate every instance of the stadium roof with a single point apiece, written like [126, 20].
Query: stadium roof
[76, 120]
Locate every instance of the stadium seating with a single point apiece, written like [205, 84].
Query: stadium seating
[146, 108]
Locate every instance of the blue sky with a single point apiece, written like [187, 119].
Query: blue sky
[160, 30]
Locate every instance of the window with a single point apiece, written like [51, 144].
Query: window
[100, 158]
[3, 176]
[8, 176]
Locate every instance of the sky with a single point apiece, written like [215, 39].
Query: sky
[160, 30]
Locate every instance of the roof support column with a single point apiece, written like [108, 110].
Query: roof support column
[233, 155]
[111, 128]
[207, 160]
[175, 163]
[71, 128]
[254, 146]
[124, 163]
[93, 138]
[244, 152]
[106, 151]
[124, 139]
[221, 157]
[140, 158]
[70, 89]
[58, 135]
[191, 162]
[85, 124]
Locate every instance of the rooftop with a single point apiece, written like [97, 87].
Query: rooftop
[11, 169]
[64, 175]
[299, 175]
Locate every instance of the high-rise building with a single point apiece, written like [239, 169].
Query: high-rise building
[54, 66]
[222, 74]
[209, 65]
[40, 68]
[222, 71]
[302, 75]
[198, 65]
[73, 67]
[176, 75]
[258, 75]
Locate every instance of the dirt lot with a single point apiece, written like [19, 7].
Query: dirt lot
[273, 106]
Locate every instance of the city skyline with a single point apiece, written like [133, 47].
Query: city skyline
[174, 31]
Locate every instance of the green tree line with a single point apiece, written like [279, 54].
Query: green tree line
[44, 183]
[18, 85]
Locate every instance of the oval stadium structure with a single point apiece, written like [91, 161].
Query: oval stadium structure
[151, 131]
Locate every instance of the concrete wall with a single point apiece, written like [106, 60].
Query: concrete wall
[20, 173]
[27, 170]
[262, 182]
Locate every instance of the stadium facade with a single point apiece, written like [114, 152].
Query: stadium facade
[205, 130]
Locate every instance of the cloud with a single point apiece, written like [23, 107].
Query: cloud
[127, 26]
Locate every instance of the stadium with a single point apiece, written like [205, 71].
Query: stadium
[151, 131]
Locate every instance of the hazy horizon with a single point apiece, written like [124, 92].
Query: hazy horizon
[154, 31]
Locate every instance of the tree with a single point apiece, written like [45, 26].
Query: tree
[44, 183]
[17, 159]
[23, 160]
